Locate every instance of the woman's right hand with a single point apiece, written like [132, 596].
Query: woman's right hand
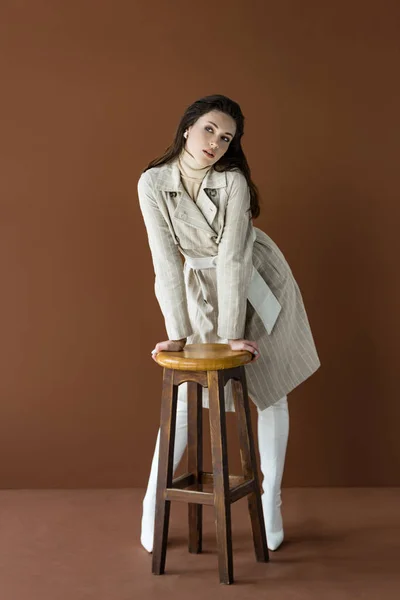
[248, 345]
[168, 346]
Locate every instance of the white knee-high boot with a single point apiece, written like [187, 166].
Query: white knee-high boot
[273, 432]
[149, 501]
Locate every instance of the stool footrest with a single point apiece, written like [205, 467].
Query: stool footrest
[238, 488]
[190, 496]
[207, 477]
[244, 489]
[183, 481]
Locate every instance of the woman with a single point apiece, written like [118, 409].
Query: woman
[198, 202]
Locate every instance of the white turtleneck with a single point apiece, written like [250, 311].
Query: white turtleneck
[192, 173]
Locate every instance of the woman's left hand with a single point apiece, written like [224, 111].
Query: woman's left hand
[248, 345]
[168, 346]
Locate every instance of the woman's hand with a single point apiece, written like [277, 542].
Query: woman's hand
[168, 346]
[248, 345]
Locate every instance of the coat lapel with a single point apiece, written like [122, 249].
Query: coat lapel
[199, 214]
[190, 213]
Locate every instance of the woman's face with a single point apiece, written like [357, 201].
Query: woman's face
[212, 132]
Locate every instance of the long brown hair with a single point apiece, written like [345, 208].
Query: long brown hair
[234, 158]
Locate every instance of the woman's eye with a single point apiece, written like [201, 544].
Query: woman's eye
[227, 140]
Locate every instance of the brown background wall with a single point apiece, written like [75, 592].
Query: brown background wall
[91, 91]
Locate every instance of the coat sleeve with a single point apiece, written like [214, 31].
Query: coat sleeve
[235, 260]
[168, 267]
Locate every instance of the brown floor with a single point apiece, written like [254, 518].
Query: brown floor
[84, 544]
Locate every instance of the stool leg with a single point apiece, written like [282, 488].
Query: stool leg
[249, 465]
[219, 452]
[195, 459]
[165, 467]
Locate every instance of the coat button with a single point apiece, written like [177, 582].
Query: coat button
[183, 215]
[172, 194]
[213, 192]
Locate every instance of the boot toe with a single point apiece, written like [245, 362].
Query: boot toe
[274, 540]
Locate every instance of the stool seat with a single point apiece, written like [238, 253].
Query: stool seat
[204, 357]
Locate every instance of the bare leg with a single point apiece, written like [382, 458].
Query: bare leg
[273, 432]
[149, 501]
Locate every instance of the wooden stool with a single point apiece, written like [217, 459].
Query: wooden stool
[206, 365]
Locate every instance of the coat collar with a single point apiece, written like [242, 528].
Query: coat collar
[169, 178]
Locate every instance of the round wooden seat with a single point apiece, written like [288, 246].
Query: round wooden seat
[204, 357]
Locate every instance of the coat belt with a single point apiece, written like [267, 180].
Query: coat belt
[259, 295]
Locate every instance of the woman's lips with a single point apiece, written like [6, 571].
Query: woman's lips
[209, 154]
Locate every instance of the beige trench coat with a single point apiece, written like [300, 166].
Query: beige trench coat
[211, 305]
